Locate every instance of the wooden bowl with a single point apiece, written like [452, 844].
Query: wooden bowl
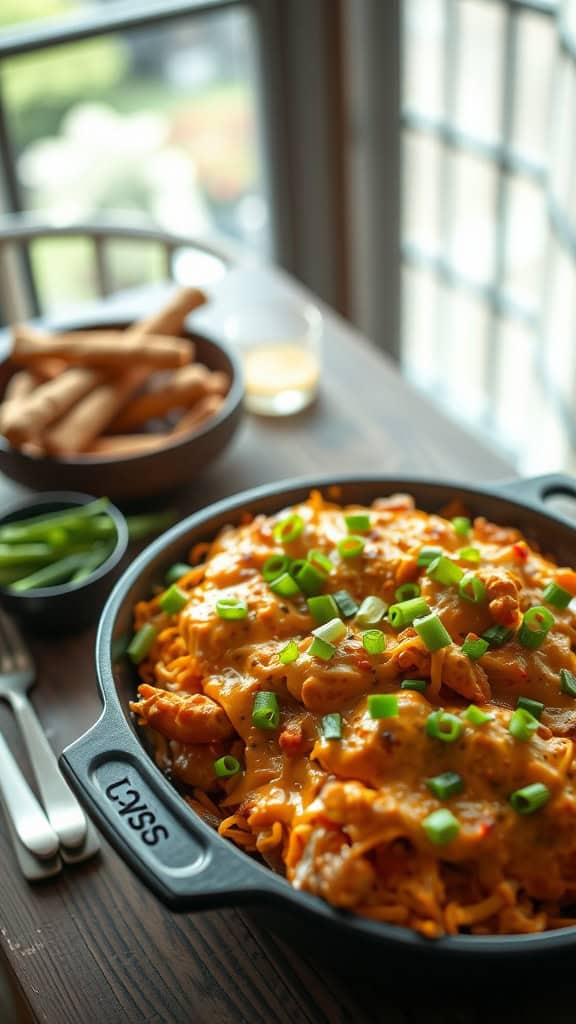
[149, 473]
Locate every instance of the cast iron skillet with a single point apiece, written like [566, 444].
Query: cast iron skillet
[180, 858]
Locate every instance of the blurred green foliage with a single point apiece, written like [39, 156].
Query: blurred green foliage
[41, 87]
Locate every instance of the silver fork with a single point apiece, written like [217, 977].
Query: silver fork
[17, 675]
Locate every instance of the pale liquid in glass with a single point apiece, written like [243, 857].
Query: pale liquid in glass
[280, 378]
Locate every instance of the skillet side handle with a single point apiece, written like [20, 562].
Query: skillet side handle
[535, 490]
[162, 839]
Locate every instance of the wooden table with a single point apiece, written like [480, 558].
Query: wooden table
[95, 945]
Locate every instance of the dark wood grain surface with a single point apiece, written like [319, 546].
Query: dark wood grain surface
[95, 945]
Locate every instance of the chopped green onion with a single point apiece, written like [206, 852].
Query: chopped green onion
[346, 604]
[176, 572]
[427, 555]
[568, 682]
[535, 626]
[322, 608]
[374, 641]
[535, 707]
[141, 643]
[414, 684]
[351, 546]
[382, 705]
[445, 785]
[289, 653]
[357, 522]
[407, 591]
[332, 726]
[288, 529]
[310, 580]
[320, 561]
[226, 766]
[331, 631]
[474, 646]
[530, 798]
[469, 555]
[496, 636]
[441, 827]
[556, 596]
[173, 600]
[322, 649]
[444, 570]
[471, 588]
[265, 710]
[462, 525]
[476, 716]
[231, 608]
[285, 586]
[433, 632]
[274, 567]
[371, 611]
[442, 725]
[403, 614]
[522, 725]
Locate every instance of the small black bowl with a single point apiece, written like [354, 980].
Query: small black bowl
[66, 606]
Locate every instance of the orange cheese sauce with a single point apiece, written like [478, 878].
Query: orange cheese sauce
[344, 818]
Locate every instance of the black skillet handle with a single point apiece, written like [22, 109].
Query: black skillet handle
[175, 853]
[537, 489]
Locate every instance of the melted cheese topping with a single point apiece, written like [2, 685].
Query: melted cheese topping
[343, 819]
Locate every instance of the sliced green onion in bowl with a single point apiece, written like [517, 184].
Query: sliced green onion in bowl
[522, 725]
[142, 643]
[331, 632]
[231, 608]
[227, 766]
[567, 682]
[265, 710]
[414, 684]
[322, 649]
[556, 596]
[497, 636]
[346, 604]
[357, 522]
[406, 591]
[173, 600]
[443, 725]
[289, 653]
[371, 611]
[332, 726]
[382, 705]
[427, 555]
[472, 589]
[374, 641]
[176, 572]
[535, 707]
[441, 827]
[275, 566]
[535, 626]
[403, 614]
[445, 785]
[444, 570]
[433, 632]
[320, 561]
[285, 586]
[351, 547]
[462, 525]
[471, 555]
[323, 608]
[530, 798]
[310, 580]
[288, 529]
[476, 716]
[474, 646]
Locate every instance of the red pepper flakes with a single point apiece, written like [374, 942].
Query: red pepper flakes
[520, 550]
